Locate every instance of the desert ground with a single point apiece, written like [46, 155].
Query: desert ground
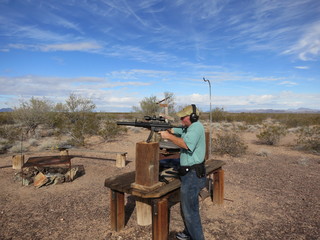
[271, 192]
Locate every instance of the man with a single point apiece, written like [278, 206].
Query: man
[191, 140]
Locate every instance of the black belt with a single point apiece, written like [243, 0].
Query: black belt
[199, 168]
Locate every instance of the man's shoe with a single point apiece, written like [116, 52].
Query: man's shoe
[182, 236]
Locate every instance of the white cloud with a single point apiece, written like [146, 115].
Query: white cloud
[79, 46]
[308, 46]
[31, 85]
[267, 78]
[137, 74]
[282, 100]
[302, 67]
[288, 83]
[195, 98]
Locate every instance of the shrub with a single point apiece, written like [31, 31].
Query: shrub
[309, 138]
[51, 144]
[6, 118]
[11, 133]
[19, 147]
[218, 115]
[271, 134]
[33, 142]
[110, 130]
[229, 143]
[85, 124]
[4, 145]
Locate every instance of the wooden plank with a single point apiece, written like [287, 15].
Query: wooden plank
[157, 193]
[160, 219]
[212, 165]
[48, 160]
[121, 183]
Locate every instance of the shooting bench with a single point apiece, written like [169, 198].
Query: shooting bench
[121, 157]
[157, 197]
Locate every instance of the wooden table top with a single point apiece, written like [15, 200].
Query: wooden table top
[123, 183]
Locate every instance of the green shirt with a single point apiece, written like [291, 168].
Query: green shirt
[194, 137]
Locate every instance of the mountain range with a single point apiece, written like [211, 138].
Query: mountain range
[298, 110]
[6, 110]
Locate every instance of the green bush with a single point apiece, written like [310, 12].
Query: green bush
[111, 130]
[218, 115]
[11, 133]
[229, 143]
[271, 134]
[309, 139]
[6, 118]
[5, 145]
[84, 124]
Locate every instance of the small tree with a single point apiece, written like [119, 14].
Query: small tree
[148, 106]
[218, 115]
[170, 101]
[82, 121]
[58, 118]
[30, 114]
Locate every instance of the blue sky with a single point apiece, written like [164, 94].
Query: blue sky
[257, 54]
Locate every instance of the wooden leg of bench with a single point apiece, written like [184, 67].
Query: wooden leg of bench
[218, 187]
[160, 219]
[117, 210]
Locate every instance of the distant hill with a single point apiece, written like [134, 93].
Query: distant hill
[6, 110]
[298, 110]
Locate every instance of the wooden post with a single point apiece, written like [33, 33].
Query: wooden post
[121, 160]
[207, 146]
[146, 178]
[17, 161]
[144, 212]
[117, 211]
[160, 219]
[218, 186]
[147, 164]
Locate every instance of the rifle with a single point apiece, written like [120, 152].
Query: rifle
[155, 124]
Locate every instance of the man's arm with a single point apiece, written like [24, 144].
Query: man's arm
[176, 140]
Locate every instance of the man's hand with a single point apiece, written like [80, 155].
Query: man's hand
[176, 140]
[166, 134]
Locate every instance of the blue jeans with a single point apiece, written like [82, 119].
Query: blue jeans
[189, 194]
[169, 163]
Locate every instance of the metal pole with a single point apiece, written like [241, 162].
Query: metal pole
[210, 140]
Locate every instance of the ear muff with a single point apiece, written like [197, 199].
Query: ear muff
[193, 116]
